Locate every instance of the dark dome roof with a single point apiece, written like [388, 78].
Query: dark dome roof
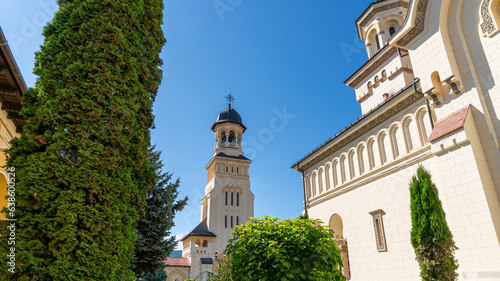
[229, 115]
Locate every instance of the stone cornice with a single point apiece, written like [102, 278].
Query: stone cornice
[368, 68]
[351, 135]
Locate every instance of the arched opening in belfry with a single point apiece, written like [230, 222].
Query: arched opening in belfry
[232, 137]
[337, 226]
[223, 137]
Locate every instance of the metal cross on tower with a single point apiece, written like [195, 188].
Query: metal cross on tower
[229, 98]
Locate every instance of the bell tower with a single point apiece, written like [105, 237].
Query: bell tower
[228, 201]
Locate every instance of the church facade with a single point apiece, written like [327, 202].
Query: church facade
[429, 95]
[228, 202]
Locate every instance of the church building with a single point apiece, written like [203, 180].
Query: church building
[228, 202]
[429, 95]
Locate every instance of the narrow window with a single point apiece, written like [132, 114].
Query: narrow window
[227, 169]
[205, 243]
[226, 198]
[237, 170]
[232, 170]
[378, 43]
[232, 198]
[378, 227]
[237, 199]
[231, 221]
[225, 221]
[392, 30]
[237, 220]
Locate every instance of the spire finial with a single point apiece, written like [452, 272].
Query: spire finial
[229, 98]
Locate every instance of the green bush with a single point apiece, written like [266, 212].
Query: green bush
[292, 249]
[81, 162]
[430, 236]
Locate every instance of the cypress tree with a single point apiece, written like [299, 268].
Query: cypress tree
[430, 236]
[81, 162]
[154, 243]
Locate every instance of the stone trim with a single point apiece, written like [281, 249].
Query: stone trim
[419, 24]
[411, 99]
[378, 61]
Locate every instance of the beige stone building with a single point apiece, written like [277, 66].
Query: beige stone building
[12, 86]
[430, 95]
[228, 202]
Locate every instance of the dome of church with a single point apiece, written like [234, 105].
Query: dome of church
[229, 115]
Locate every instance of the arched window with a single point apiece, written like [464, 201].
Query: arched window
[392, 30]
[308, 187]
[320, 181]
[205, 243]
[327, 176]
[352, 170]
[223, 137]
[314, 181]
[382, 142]
[237, 199]
[197, 243]
[232, 138]
[237, 170]
[227, 169]
[232, 194]
[226, 198]
[342, 168]
[335, 172]
[397, 139]
[361, 159]
[424, 126]
[371, 153]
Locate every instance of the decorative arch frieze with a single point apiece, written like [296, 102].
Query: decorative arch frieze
[489, 18]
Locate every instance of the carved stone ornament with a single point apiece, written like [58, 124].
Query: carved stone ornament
[418, 25]
[488, 26]
[453, 85]
[433, 96]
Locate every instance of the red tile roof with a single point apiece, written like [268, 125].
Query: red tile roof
[449, 124]
[177, 262]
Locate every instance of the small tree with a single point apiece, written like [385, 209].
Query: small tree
[293, 249]
[223, 269]
[430, 236]
[154, 242]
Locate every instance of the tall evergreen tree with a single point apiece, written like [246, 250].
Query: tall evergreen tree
[81, 162]
[430, 236]
[154, 242]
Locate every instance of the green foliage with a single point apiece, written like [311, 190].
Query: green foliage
[430, 236]
[223, 269]
[81, 162]
[154, 243]
[293, 249]
[159, 275]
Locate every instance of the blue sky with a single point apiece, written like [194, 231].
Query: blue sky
[283, 61]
